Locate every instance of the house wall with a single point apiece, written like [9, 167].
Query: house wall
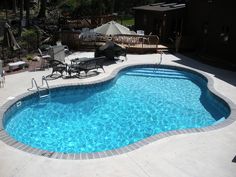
[163, 24]
[209, 28]
[211, 25]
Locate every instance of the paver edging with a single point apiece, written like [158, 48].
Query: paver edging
[83, 156]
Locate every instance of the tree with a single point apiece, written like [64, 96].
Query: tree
[42, 11]
[27, 8]
[14, 6]
[21, 16]
[112, 6]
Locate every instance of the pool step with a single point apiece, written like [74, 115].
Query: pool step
[44, 93]
[156, 72]
[219, 121]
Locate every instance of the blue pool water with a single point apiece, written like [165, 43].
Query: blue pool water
[139, 103]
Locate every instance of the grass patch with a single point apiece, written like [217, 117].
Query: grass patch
[126, 21]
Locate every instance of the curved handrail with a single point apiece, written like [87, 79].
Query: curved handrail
[45, 80]
[33, 82]
[161, 53]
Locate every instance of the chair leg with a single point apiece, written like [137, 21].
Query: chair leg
[103, 69]
[2, 81]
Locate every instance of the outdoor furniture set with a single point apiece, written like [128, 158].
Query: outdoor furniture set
[109, 51]
[77, 65]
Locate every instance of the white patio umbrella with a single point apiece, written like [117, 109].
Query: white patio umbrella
[112, 28]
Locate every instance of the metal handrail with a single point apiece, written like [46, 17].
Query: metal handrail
[161, 53]
[33, 82]
[158, 64]
[45, 80]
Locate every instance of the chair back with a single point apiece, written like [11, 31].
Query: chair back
[58, 53]
[58, 43]
[90, 64]
[40, 52]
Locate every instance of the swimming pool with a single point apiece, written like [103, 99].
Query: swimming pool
[140, 102]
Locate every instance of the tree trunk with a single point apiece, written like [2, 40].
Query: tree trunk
[6, 12]
[42, 11]
[14, 6]
[21, 16]
[27, 8]
[113, 6]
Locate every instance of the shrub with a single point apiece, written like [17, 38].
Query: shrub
[30, 37]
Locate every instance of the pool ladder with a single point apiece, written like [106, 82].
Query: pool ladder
[43, 90]
[161, 53]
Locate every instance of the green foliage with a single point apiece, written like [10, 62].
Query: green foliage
[29, 57]
[72, 3]
[78, 8]
[126, 21]
[29, 37]
[23, 44]
[99, 7]
[28, 33]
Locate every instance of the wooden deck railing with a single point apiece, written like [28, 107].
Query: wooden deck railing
[74, 40]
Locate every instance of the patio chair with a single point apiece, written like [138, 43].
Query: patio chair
[93, 63]
[100, 63]
[66, 48]
[58, 66]
[86, 64]
[44, 59]
[44, 56]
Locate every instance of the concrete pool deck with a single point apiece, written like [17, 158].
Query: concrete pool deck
[199, 154]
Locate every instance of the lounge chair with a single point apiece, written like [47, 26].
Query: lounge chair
[58, 66]
[44, 56]
[86, 64]
[44, 59]
[66, 48]
[94, 63]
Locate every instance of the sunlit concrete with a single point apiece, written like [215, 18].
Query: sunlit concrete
[205, 154]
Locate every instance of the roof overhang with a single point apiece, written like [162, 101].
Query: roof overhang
[161, 7]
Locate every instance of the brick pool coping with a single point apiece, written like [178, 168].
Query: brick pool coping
[83, 156]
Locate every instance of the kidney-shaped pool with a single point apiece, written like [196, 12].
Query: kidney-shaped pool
[138, 103]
